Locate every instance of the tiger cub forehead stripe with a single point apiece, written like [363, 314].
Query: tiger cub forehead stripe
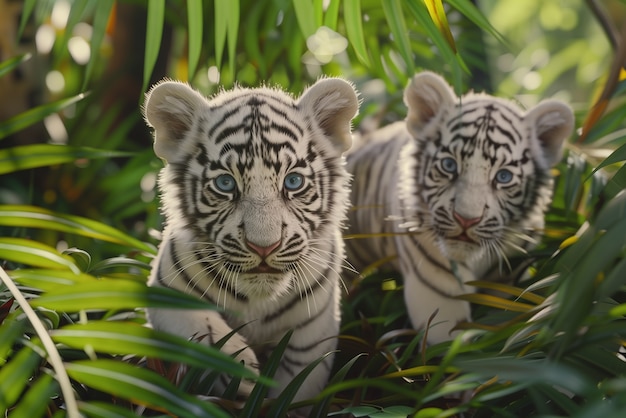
[254, 120]
[254, 192]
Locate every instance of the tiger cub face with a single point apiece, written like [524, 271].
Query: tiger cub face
[253, 180]
[478, 170]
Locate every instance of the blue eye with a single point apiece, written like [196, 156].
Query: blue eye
[449, 165]
[294, 181]
[225, 183]
[504, 176]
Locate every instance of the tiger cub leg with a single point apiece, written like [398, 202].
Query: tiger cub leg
[315, 340]
[422, 302]
[208, 327]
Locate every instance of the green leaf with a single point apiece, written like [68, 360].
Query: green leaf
[116, 294]
[37, 398]
[60, 45]
[528, 371]
[616, 156]
[496, 302]
[398, 411]
[438, 15]
[118, 262]
[254, 16]
[470, 11]
[358, 411]
[254, 402]
[420, 13]
[222, 13]
[615, 184]
[35, 217]
[128, 337]
[105, 410]
[100, 22]
[15, 375]
[12, 63]
[139, 385]
[428, 413]
[33, 253]
[320, 409]
[613, 281]
[332, 12]
[280, 406]
[41, 155]
[154, 33]
[10, 330]
[45, 280]
[226, 28]
[27, 11]
[304, 14]
[576, 295]
[395, 20]
[194, 26]
[29, 117]
[354, 29]
[82, 259]
[233, 30]
[612, 213]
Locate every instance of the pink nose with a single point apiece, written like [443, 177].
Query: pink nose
[263, 251]
[465, 222]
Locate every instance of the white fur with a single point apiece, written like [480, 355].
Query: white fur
[213, 233]
[399, 171]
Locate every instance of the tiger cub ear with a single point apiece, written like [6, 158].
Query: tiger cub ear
[333, 102]
[551, 122]
[425, 96]
[170, 108]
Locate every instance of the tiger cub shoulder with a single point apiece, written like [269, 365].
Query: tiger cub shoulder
[463, 183]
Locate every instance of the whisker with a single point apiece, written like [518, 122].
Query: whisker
[321, 261]
[299, 274]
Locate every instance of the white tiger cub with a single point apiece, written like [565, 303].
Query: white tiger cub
[457, 187]
[254, 192]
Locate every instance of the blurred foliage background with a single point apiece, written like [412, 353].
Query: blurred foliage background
[79, 217]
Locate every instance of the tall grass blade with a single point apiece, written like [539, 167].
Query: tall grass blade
[223, 10]
[29, 117]
[397, 24]
[254, 402]
[438, 15]
[195, 18]
[304, 15]
[42, 155]
[53, 356]
[233, 30]
[36, 217]
[27, 11]
[140, 385]
[154, 35]
[37, 397]
[113, 337]
[471, 12]
[15, 374]
[116, 294]
[34, 253]
[280, 406]
[12, 63]
[354, 28]
[100, 23]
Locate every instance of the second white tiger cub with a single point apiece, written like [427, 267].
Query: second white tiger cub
[460, 184]
[254, 193]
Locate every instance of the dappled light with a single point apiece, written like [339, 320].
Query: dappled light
[513, 236]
